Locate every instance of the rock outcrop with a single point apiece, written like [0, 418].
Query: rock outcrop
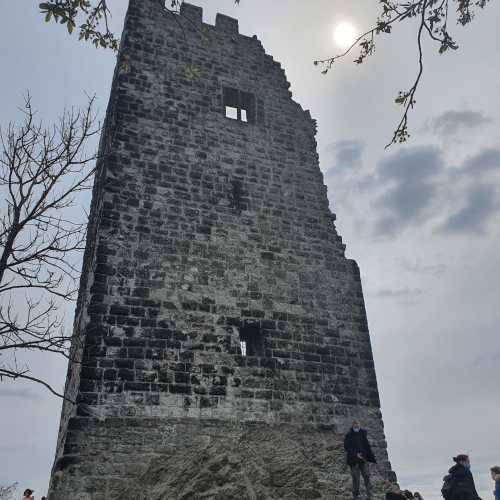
[261, 464]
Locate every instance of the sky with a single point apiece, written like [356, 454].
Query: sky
[422, 219]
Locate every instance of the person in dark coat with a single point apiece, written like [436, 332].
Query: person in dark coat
[459, 483]
[495, 475]
[359, 455]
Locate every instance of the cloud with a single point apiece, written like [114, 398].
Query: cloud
[475, 181]
[413, 176]
[450, 122]
[491, 358]
[486, 160]
[418, 267]
[21, 393]
[402, 296]
[348, 155]
[415, 185]
[389, 293]
[481, 205]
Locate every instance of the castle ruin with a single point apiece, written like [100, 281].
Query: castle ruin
[221, 341]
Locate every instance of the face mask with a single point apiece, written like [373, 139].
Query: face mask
[467, 466]
[355, 429]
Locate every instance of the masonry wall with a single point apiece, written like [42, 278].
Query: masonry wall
[204, 227]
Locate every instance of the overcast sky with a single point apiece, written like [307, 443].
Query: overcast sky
[423, 220]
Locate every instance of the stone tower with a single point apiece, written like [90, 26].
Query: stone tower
[222, 333]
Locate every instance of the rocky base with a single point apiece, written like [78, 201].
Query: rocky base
[258, 464]
[178, 459]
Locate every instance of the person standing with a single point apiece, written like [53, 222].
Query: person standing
[495, 475]
[459, 483]
[28, 494]
[359, 455]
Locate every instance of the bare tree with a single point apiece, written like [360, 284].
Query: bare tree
[8, 492]
[42, 173]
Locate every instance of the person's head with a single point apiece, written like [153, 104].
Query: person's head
[28, 492]
[356, 425]
[462, 460]
[495, 472]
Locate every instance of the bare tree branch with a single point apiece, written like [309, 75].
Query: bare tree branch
[22, 375]
[407, 99]
[42, 172]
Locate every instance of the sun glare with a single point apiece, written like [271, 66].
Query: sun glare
[344, 34]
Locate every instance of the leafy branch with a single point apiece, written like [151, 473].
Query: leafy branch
[95, 26]
[433, 20]
[94, 18]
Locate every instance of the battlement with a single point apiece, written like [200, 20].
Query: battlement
[192, 12]
[222, 22]
[193, 34]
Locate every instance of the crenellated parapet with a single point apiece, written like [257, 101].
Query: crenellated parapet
[223, 23]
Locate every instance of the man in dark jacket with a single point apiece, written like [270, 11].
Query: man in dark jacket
[359, 455]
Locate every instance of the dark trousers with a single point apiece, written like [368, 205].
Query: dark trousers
[362, 469]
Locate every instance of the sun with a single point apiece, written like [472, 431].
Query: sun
[344, 34]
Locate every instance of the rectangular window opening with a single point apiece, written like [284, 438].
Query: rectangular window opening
[239, 105]
[251, 340]
[231, 112]
[243, 346]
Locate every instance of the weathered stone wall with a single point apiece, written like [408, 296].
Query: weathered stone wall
[203, 227]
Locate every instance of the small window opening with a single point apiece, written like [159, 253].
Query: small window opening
[243, 345]
[239, 105]
[251, 340]
[231, 112]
